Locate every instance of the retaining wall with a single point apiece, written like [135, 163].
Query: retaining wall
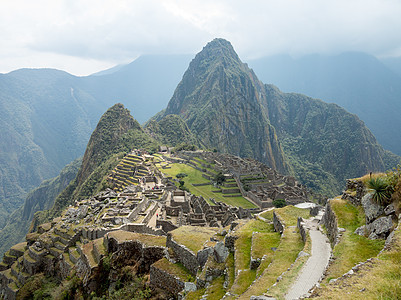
[184, 255]
[330, 221]
[278, 223]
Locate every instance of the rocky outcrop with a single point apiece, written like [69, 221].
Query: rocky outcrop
[379, 219]
[380, 228]
[372, 209]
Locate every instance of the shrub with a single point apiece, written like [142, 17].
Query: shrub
[181, 175]
[219, 178]
[382, 190]
[278, 203]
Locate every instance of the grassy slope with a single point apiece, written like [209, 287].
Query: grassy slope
[352, 248]
[380, 279]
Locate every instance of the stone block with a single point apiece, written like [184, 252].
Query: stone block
[372, 209]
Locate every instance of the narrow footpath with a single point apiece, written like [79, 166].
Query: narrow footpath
[315, 266]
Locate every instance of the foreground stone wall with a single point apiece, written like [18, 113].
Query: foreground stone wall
[302, 230]
[163, 280]
[144, 255]
[330, 221]
[184, 255]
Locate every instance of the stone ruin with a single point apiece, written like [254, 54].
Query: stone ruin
[183, 208]
[255, 180]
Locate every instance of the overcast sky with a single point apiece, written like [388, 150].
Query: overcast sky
[85, 36]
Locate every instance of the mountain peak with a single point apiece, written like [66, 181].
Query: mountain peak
[218, 51]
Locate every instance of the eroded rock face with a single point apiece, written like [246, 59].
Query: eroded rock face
[372, 210]
[380, 228]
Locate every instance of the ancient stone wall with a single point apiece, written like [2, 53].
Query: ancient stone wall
[278, 223]
[165, 225]
[330, 221]
[359, 190]
[150, 213]
[128, 250]
[302, 230]
[163, 280]
[183, 254]
[229, 242]
[141, 228]
[140, 207]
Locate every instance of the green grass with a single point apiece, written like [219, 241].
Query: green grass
[243, 253]
[290, 245]
[193, 237]
[195, 176]
[352, 248]
[262, 242]
[380, 279]
[278, 291]
[230, 269]
[174, 269]
[288, 213]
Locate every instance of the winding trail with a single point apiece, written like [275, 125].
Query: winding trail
[315, 266]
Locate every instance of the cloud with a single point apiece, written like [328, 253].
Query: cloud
[107, 32]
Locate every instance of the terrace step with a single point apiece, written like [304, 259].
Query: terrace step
[74, 254]
[3, 266]
[36, 255]
[9, 259]
[68, 261]
[55, 251]
[18, 249]
[9, 277]
[99, 250]
[16, 270]
[60, 246]
[12, 290]
[87, 252]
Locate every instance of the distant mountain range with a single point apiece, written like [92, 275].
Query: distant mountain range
[359, 82]
[47, 115]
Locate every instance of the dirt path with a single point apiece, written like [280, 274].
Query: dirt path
[315, 266]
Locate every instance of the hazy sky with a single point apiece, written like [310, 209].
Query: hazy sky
[85, 36]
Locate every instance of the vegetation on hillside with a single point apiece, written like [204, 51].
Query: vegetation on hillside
[39, 199]
[116, 134]
[172, 131]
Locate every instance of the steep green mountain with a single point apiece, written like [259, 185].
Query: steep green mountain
[115, 135]
[172, 131]
[39, 199]
[359, 82]
[324, 142]
[227, 107]
[45, 121]
[220, 99]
